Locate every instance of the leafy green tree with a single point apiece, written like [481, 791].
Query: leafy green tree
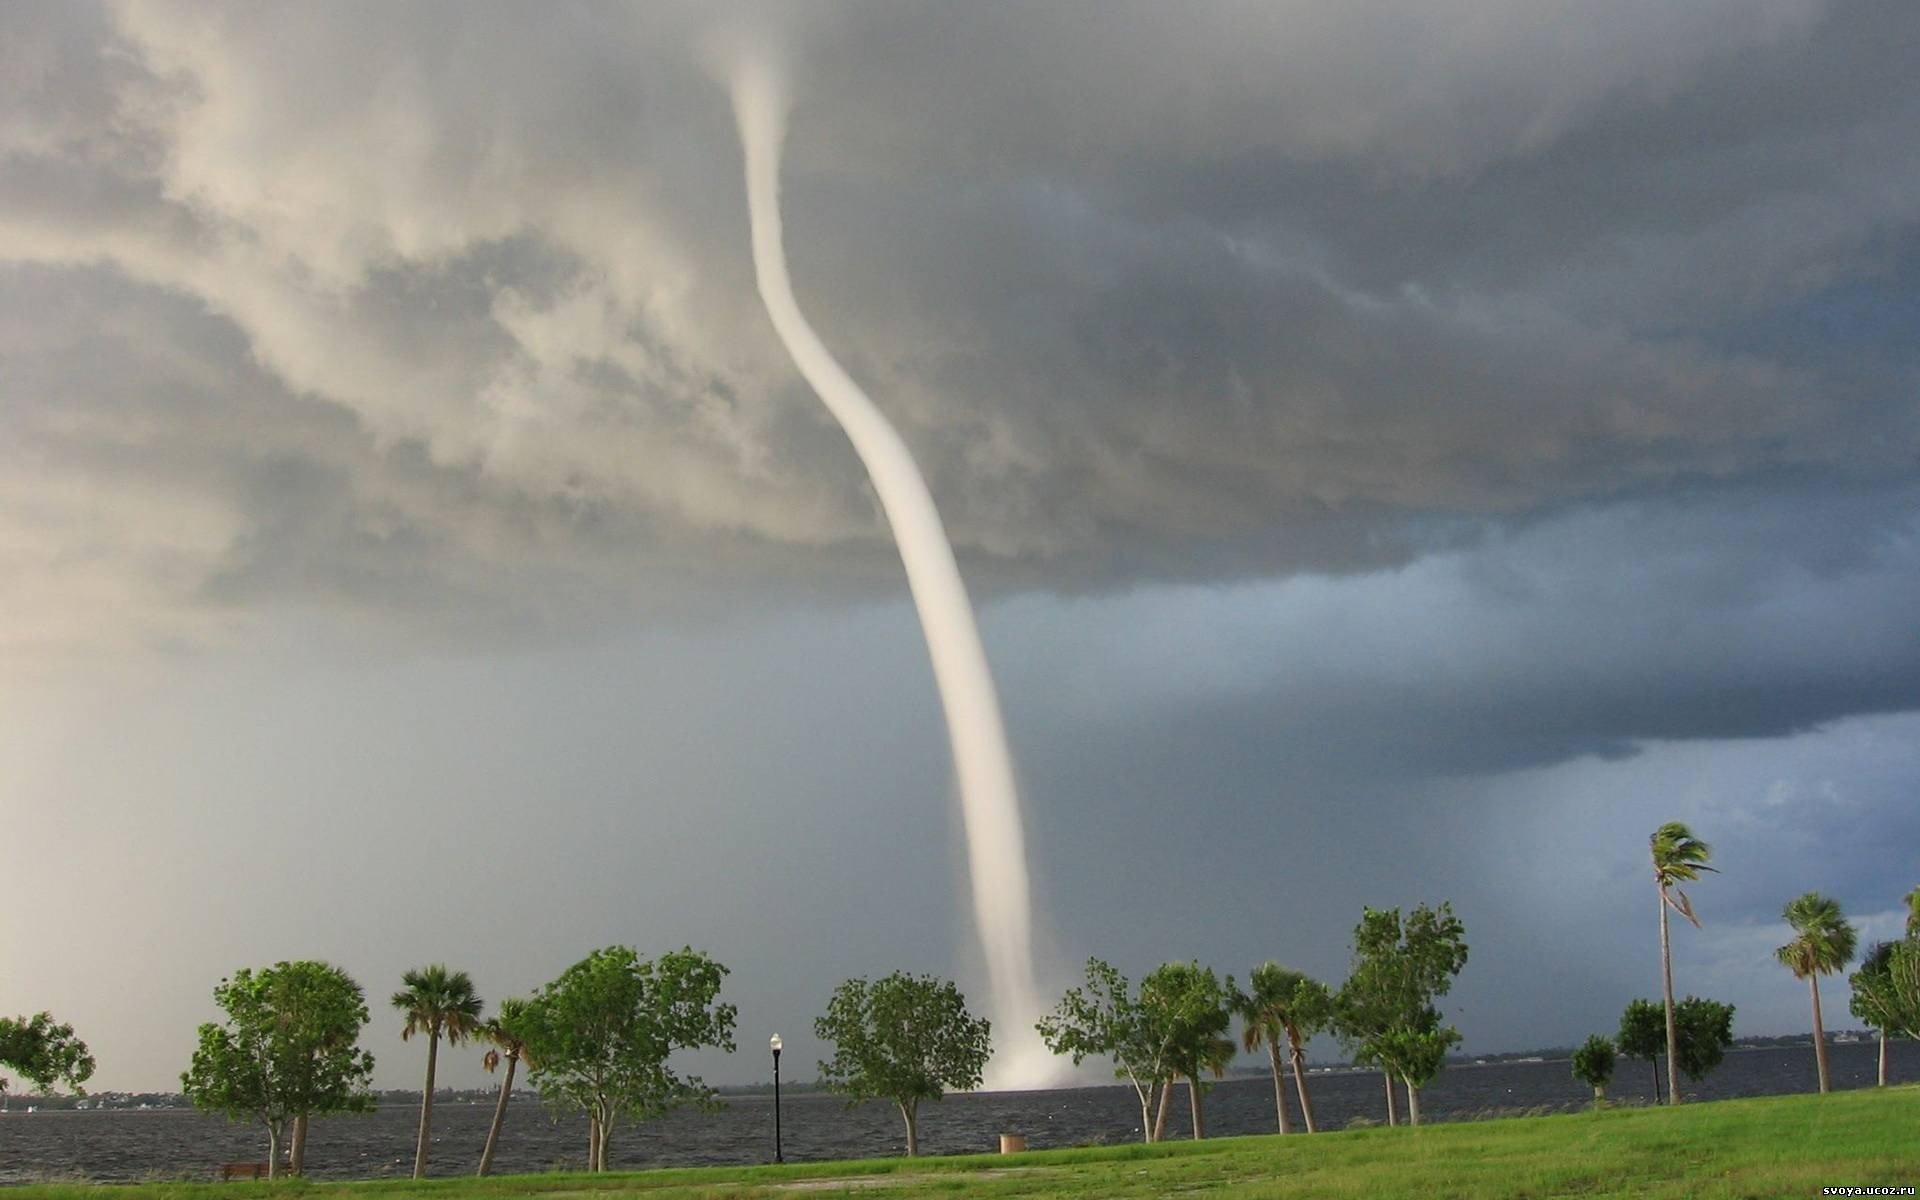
[1283, 1005]
[45, 1053]
[1903, 981]
[1912, 899]
[1190, 1008]
[1823, 944]
[1678, 857]
[439, 1003]
[506, 1033]
[1104, 1018]
[904, 1038]
[597, 1039]
[287, 1050]
[1705, 1029]
[1593, 1066]
[1385, 1011]
[1643, 1034]
[1874, 999]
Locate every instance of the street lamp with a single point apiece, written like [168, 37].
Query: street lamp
[773, 1044]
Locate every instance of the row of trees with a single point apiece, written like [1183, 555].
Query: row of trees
[595, 1040]
[1174, 1027]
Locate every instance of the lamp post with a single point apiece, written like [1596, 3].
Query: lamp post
[773, 1043]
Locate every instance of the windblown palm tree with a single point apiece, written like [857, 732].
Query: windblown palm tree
[439, 1003]
[1283, 1004]
[1678, 857]
[1825, 945]
[508, 1032]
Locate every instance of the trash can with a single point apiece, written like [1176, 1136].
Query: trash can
[1012, 1143]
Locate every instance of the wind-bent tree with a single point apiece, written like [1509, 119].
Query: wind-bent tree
[1705, 1034]
[598, 1037]
[1385, 1010]
[506, 1032]
[1874, 1001]
[288, 1050]
[1593, 1066]
[1912, 899]
[44, 1052]
[1189, 1006]
[1643, 1034]
[439, 1003]
[1104, 1018]
[1903, 982]
[1278, 1005]
[1678, 857]
[904, 1038]
[1823, 944]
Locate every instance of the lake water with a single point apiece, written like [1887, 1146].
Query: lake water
[121, 1145]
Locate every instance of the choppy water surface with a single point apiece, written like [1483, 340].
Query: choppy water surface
[132, 1145]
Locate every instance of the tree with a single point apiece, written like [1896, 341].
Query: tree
[1874, 999]
[1643, 1034]
[598, 1038]
[439, 1003]
[1903, 981]
[506, 1032]
[287, 1050]
[1912, 899]
[45, 1053]
[1282, 1004]
[1385, 1010]
[1823, 945]
[1593, 1066]
[904, 1038]
[1705, 1034]
[1188, 1007]
[1678, 857]
[1104, 1018]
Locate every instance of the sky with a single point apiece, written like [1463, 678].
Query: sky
[1400, 452]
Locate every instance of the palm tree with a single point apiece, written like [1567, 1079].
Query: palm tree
[1825, 945]
[1678, 857]
[1913, 913]
[1283, 1004]
[508, 1032]
[439, 1003]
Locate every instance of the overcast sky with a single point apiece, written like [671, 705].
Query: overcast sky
[1402, 452]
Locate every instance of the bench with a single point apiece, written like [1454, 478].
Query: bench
[243, 1170]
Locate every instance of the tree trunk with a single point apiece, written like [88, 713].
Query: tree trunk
[1300, 1078]
[604, 1138]
[1193, 1102]
[593, 1142]
[1666, 984]
[909, 1111]
[1819, 1034]
[273, 1150]
[1145, 1096]
[1393, 1117]
[1883, 1060]
[1279, 1086]
[1413, 1104]
[1599, 1094]
[297, 1159]
[1655, 1063]
[1160, 1113]
[499, 1115]
[426, 1107]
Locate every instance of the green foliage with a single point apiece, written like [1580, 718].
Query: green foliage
[438, 1003]
[1825, 941]
[1903, 981]
[507, 1031]
[1705, 1032]
[43, 1052]
[1678, 857]
[287, 1048]
[1643, 1029]
[1105, 1019]
[1593, 1063]
[1281, 1004]
[1385, 1012]
[904, 1038]
[1188, 1007]
[597, 1038]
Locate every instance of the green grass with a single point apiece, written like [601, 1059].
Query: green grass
[1776, 1146]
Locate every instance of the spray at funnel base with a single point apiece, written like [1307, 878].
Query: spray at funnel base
[990, 805]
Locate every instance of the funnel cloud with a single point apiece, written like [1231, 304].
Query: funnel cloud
[989, 802]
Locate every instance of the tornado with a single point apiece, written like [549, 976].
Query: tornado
[989, 801]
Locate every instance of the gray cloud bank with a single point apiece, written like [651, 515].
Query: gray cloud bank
[404, 307]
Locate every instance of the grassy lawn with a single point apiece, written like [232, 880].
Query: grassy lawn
[1777, 1146]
